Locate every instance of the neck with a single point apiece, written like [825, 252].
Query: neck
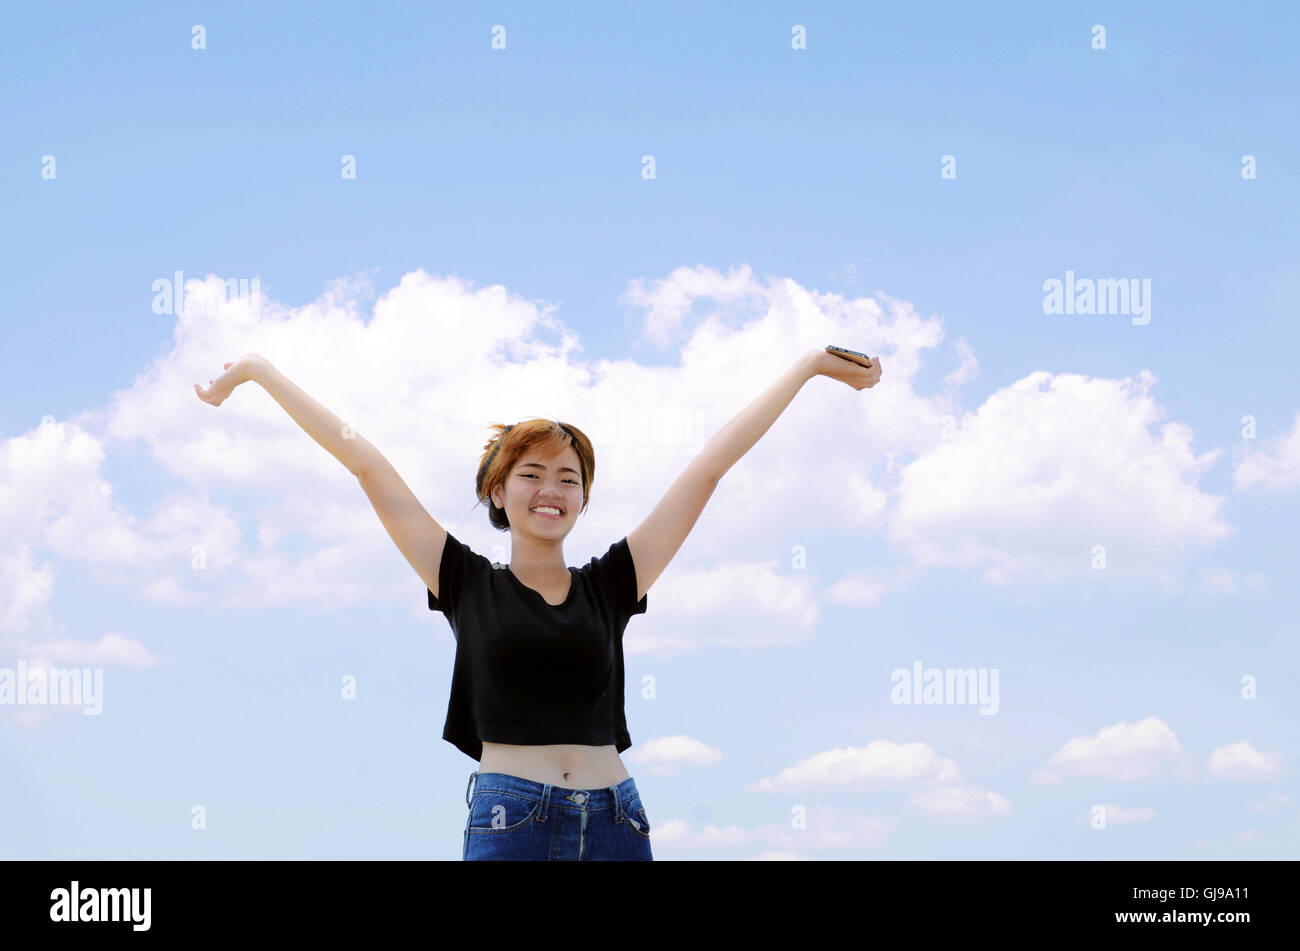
[534, 557]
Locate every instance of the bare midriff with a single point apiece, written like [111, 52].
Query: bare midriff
[564, 764]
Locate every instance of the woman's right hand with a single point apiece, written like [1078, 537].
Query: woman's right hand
[236, 372]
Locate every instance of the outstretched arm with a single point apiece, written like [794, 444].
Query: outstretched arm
[416, 533]
[656, 540]
[344, 444]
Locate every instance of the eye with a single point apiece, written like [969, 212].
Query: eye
[533, 475]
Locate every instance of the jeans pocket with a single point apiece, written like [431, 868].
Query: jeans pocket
[634, 818]
[491, 811]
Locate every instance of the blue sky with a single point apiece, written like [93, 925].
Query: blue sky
[501, 253]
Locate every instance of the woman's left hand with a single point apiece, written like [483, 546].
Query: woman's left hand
[825, 363]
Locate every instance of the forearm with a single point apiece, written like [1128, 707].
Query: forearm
[340, 441]
[737, 437]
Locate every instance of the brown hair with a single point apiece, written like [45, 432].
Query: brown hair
[512, 441]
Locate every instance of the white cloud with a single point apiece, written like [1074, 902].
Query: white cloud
[969, 367]
[168, 591]
[668, 301]
[1122, 815]
[1030, 495]
[439, 358]
[1241, 762]
[180, 524]
[879, 763]
[1050, 467]
[24, 589]
[732, 604]
[484, 354]
[858, 502]
[53, 497]
[664, 756]
[1275, 467]
[111, 650]
[859, 589]
[959, 802]
[1124, 751]
[54, 500]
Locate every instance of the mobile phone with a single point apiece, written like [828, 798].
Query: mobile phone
[853, 355]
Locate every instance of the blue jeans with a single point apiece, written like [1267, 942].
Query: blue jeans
[517, 819]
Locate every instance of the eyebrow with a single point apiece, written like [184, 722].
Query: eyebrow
[540, 466]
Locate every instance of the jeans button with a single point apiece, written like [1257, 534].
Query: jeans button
[580, 798]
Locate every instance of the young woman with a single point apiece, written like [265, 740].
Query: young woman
[537, 686]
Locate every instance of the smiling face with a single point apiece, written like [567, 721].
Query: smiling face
[538, 482]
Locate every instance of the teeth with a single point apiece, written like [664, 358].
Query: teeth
[547, 508]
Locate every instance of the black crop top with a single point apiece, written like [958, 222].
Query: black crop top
[530, 673]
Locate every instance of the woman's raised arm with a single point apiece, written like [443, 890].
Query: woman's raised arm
[418, 537]
[656, 540]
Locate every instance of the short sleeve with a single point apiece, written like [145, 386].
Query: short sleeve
[615, 573]
[451, 576]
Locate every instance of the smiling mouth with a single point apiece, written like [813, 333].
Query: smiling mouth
[547, 515]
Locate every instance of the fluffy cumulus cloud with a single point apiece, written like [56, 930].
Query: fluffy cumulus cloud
[249, 510]
[1149, 749]
[751, 604]
[57, 513]
[1051, 472]
[959, 802]
[1276, 465]
[1241, 762]
[254, 512]
[1123, 751]
[55, 498]
[860, 589]
[25, 589]
[424, 370]
[933, 782]
[111, 650]
[667, 755]
[879, 763]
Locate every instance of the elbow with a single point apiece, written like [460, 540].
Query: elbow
[705, 469]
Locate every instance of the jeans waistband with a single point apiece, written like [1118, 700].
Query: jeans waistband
[547, 794]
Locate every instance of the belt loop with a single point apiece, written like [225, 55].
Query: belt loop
[467, 785]
[618, 806]
[546, 797]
